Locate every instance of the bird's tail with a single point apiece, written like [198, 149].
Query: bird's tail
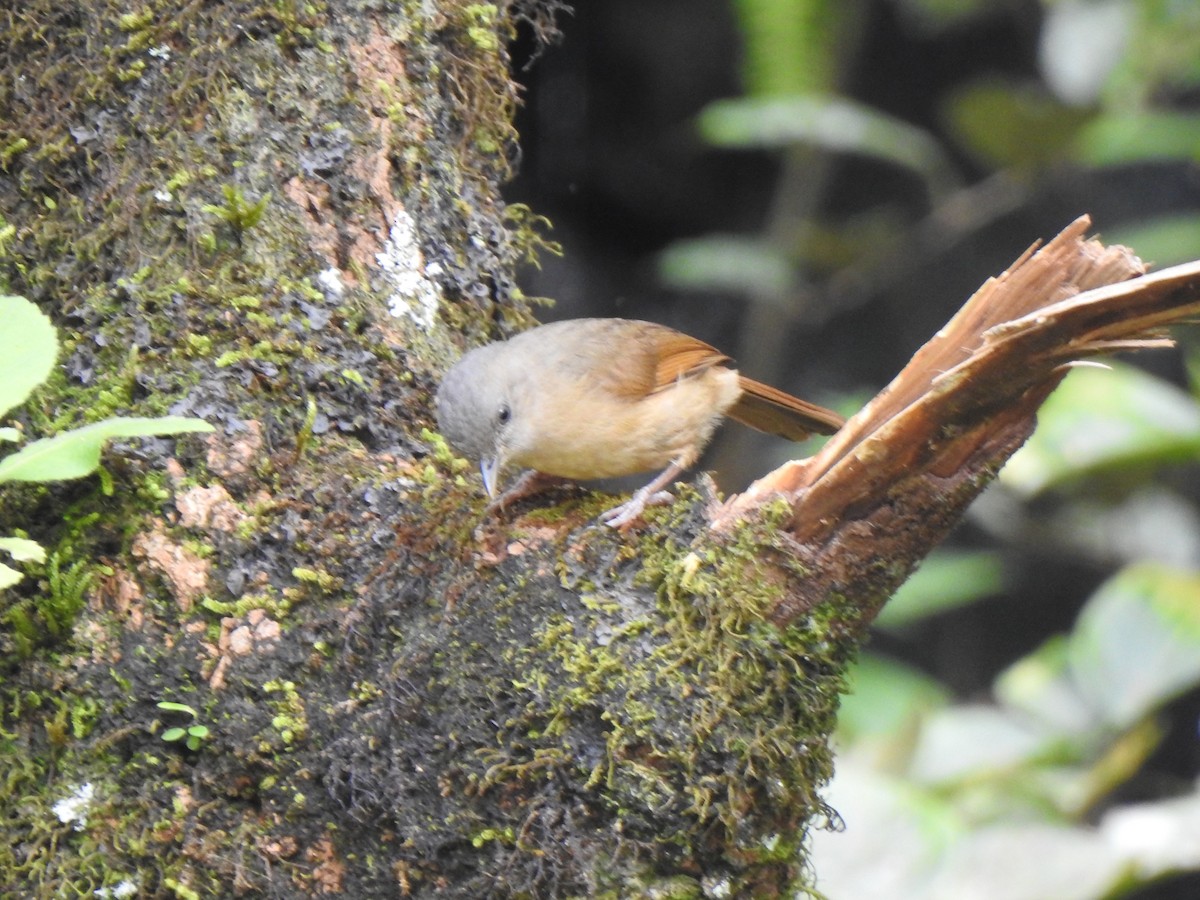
[771, 410]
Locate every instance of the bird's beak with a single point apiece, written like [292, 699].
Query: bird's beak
[489, 468]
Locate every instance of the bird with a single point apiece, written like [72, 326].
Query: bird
[592, 398]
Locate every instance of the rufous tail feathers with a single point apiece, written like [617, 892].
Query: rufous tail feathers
[768, 409]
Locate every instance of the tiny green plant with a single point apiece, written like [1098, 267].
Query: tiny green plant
[238, 212]
[28, 349]
[192, 735]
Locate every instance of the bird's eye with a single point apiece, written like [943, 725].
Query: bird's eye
[503, 414]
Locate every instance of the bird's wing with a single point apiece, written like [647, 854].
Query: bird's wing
[678, 355]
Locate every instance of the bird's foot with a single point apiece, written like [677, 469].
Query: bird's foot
[530, 483]
[623, 516]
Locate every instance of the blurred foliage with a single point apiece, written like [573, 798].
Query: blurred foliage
[727, 262]
[831, 124]
[791, 45]
[1140, 136]
[1017, 127]
[947, 799]
[1115, 418]
[946, 580]
[953, 800]
[1116, 79]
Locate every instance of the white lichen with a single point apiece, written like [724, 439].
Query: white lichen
[75, 807]
[331, 283]
[123, 890]
[414, 293]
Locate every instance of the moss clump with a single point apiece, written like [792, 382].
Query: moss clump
[715, 722]
[627, 691]
[290, 720]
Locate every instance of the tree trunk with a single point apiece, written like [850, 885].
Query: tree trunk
[285, 218]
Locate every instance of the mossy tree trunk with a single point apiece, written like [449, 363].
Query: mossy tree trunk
[284, 218]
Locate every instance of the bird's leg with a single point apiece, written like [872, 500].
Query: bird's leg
[621, 517]
[531, 482]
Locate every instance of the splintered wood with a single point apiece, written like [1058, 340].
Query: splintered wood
[888, 486]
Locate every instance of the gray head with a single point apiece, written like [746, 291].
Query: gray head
[475, 409]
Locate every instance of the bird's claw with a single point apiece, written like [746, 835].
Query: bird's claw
[529, 484]
[623, 516]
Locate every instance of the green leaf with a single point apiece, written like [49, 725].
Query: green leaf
[885, 699]
[173, 734]
[831, 123]
[1040, 685]
[1117, 139]
[897, 834]
[1159, 836]
[974, 741]
[22, 549]
[946, 580]
[718, 263]
[791, 45]
[1163, 240]
[1137, 642]
[12, 435]
[77, 453]
[1021, 127]
[28, 348]
[1070, 863]
[8, 576]
[172, 706]
[1100, 419]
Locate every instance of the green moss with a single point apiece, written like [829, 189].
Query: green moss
[709, 716]
[237, 211]
[136, 21]
[531, 231]
[13, 148]
[48, 613]
[83, 832]
[201, 344]
[290, 719]
[181, 890]
[277, 607]
[323, 581]
[441, 453]
[132, 72]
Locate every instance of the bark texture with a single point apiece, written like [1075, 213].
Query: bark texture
[285, 218]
